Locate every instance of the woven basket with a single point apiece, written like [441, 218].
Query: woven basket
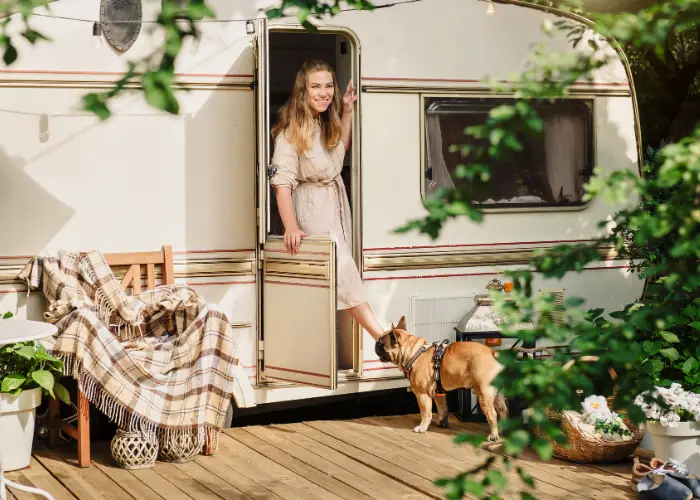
[134, 450]
[587, 448]
[180, 448]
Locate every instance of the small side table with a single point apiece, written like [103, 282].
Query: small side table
[20, 330]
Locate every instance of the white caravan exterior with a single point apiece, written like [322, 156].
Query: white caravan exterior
[198, 181]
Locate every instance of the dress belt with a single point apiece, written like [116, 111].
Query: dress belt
[337, 183]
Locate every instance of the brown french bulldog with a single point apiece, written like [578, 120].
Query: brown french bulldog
[468, 365]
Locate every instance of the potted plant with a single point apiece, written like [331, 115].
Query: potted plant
[673, 419]
[26, 371]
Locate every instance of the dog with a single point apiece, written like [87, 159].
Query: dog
[468, 365]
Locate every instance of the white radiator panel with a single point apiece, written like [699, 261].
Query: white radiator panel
[434, 318]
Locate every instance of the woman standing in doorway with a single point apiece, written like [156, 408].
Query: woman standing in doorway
[311, 138]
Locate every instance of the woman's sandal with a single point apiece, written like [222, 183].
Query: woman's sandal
[679, 472]
[659, 486]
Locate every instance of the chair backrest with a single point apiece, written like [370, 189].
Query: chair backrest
[134, 261]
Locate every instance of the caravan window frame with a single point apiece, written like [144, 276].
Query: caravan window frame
[588, 100]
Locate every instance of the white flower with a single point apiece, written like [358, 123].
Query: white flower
[677, 399]
[596, 406]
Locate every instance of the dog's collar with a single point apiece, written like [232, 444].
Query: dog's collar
[409, 366]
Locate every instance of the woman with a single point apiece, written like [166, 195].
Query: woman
[310, 143]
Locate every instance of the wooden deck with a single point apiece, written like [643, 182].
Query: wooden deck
[378, 458]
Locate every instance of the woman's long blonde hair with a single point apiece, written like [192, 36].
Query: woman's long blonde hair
[296, 118]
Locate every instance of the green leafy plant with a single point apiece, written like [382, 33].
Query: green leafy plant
[27, 365]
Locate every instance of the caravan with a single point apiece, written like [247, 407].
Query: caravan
[199, 181]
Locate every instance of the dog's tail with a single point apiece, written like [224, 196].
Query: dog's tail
[500, 405]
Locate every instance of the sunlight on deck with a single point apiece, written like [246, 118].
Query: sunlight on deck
[377, 457]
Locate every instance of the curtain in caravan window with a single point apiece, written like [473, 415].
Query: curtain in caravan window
[435, 158]
[565, 137]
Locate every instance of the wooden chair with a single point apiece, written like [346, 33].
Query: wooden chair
[133, 261]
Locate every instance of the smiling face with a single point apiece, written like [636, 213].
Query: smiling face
[319, 91]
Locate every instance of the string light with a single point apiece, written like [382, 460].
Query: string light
[490, 9]
[97, 35]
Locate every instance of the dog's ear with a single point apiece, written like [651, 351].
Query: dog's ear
[402, 323]
[392, 334]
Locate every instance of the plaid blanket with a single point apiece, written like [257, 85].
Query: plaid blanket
[160, 362]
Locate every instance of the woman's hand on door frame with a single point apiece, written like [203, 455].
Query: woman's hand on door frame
[349, 98]
[292, 239]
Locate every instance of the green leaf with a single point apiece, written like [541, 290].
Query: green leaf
[7, 315]
[497, 479]
[543, 448]
[473, 439]
[695, 324]
[96, 105]
[670, 337]
[525, 477]
[516, 442]
[44, 378]
[10, 53]
[26, 352]
[691, 365]
[475, 488]
[524, 495]
[12, 382]
[62, 393]
[670, 353]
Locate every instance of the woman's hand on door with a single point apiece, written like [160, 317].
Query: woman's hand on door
[292, 239]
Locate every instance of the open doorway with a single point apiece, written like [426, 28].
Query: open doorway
[288, 50]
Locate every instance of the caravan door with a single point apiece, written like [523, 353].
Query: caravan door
[298, 291]
[299, 313]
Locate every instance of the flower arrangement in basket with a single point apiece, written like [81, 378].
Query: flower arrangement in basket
[596, 434]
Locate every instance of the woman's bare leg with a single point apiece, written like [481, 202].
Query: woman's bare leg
[364, 315]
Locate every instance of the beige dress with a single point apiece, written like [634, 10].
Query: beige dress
[321, 204]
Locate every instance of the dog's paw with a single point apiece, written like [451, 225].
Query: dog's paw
[493, 438]
[420, 429]
[443, 424]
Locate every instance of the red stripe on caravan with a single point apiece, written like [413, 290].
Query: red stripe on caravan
[418, 247]
[461, 275]
[308, 285]
[203, 283]
[111, 73]
[297, 382]
[456, 80]
[321, 375]
[381, 368]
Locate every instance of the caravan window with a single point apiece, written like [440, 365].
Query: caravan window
[550, 170]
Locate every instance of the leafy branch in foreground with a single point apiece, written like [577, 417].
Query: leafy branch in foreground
[648, 343]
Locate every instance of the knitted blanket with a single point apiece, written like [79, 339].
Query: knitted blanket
[160, 362]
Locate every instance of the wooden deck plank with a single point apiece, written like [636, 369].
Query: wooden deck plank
[69, 475]
[296, 465]
[229, 471]
[212, 481]
[415, 452]
[359, 473]
[158, 483]
[391, 453]
[38, 476]
[589, 476]
[102, 460]
[550, 485]
[185, 483]
[273, 476]
[397, 482]
[282, 440]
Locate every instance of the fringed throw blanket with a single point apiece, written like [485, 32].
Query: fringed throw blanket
[160, 362]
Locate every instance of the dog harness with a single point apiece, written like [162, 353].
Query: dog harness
[437, 361]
